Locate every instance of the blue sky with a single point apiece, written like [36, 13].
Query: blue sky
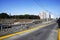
[20, 7]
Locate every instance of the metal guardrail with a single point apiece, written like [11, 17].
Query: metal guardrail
[17, 28]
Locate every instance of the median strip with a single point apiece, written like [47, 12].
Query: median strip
[22, 32]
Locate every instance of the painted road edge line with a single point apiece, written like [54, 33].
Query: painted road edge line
[58, 34]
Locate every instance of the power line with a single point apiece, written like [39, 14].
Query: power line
[39, 5]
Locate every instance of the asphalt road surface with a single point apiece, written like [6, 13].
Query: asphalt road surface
[47, 33]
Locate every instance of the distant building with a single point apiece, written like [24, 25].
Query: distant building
[45, 15]
[52, 16]
[49, 16]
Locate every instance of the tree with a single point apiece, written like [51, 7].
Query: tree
[26, 16]
[4, 15]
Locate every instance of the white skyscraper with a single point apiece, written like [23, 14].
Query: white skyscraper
[46, 15]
